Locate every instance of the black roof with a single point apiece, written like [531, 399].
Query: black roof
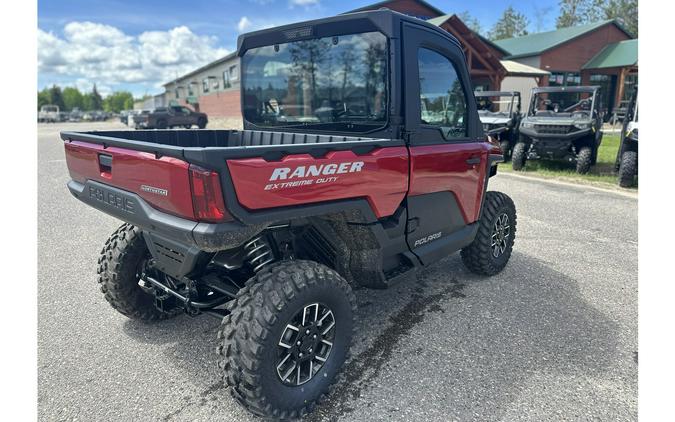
[566, 89]
[384, 20]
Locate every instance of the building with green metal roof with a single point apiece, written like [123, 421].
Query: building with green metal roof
[619, 54]
[600, 53]
[536, 44]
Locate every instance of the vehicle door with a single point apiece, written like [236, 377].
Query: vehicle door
[176, 116]
[448, 150]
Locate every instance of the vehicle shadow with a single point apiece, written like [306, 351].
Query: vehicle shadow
[473, 342]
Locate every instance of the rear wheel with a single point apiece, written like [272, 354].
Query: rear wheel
[518, 156]
[120, 266]
[584, 159]
[628, 168]
[490, 251]
[286, 338]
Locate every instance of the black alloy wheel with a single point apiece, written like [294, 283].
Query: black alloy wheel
[500, 235]
[305, 344]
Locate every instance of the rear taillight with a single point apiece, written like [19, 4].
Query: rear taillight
[207, 196]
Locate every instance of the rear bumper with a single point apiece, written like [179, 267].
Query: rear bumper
[131, 208]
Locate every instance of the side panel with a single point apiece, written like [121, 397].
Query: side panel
[380, 176]
[163, 182]
[447, 168]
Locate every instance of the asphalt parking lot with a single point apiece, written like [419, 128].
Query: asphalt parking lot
[553, 337]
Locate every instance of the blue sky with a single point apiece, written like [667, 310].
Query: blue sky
[137, 45]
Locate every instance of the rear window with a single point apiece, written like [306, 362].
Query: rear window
[334, 83]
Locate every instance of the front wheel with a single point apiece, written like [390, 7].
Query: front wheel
[628, 168]
[519, 156]
[491, 249]
[286, 338]
[505, 146]
[584, 160]
[201, 123]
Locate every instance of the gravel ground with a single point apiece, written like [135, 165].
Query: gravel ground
[553, 337]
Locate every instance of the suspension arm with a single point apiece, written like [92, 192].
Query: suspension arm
[187, 301]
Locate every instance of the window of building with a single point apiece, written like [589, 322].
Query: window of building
[556, 79]
[190, 91]
[226, 79]
[442, 98]
[234, 72]
[205, 85]
[564, 79]
[177, 92]
[573, 79]
[215, 83]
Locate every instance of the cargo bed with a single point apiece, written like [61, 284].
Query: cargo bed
[156, 172]
[191, 144]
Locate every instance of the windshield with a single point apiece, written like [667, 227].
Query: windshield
[562, 104]
[499, 106]
[332, 83]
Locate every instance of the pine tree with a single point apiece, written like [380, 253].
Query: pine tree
[96, 100]
[626, 12]
[470, 21]
[580, 12]
[56, 97]
[511, 24]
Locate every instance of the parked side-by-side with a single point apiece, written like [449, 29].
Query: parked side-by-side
[500, 115]
[561, 123]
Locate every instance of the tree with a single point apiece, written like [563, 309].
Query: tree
[72, 98]
[470, 21]
[511, 24]
[56, 97]
[580, 12]
[92, 100]
[43, 98]
[96, 100]
[129, 104]
[117, 101]
[625, 11]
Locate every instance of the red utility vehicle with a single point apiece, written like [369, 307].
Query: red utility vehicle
[362, 159]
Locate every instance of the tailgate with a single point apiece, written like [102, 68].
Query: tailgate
[163, 182]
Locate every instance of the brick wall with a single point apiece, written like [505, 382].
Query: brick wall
[221, 104]
[572, 55]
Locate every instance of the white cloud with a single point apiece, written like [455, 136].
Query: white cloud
[244, 24]
[304, 2]
[92, 52]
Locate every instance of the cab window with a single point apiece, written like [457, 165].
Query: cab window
[442, 97]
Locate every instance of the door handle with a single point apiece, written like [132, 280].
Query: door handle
[473, 161]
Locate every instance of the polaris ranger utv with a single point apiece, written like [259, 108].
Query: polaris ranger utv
[362, 159]
[500, 114]
[562, 123]
[627, 157]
